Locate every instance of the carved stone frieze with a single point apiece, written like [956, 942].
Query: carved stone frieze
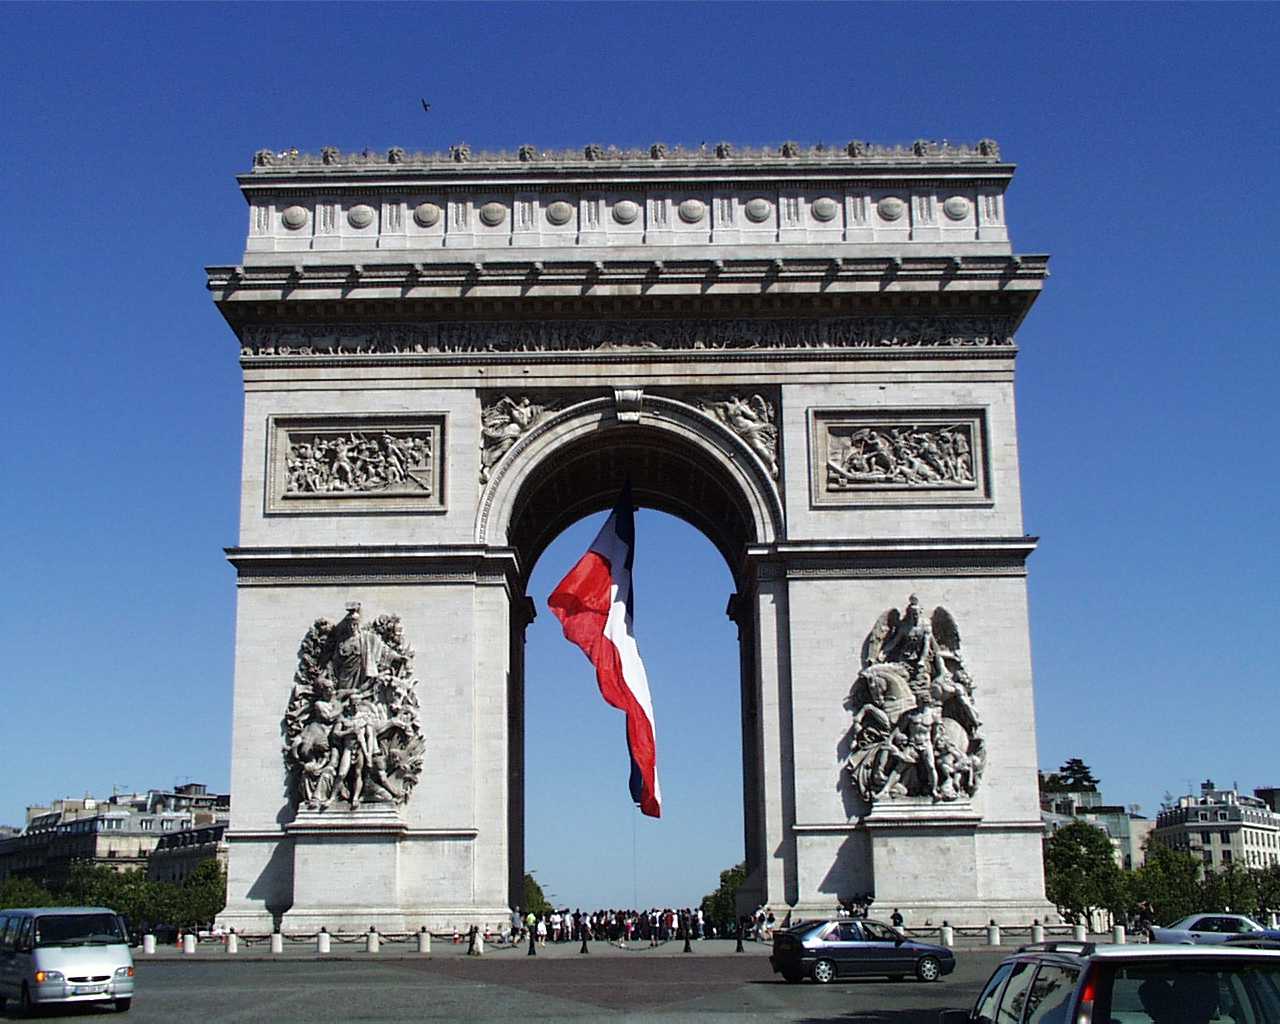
[352, 731]
[752, 418]
[604, 335]
[915, 729]
[898, 456]
[503, 420]
[355, 463]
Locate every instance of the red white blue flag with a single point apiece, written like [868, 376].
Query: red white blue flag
[594, 605]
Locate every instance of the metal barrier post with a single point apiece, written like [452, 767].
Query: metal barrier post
[993, 933]
[1037, 931]
[233, 942]
[277, 942]
[1079, 932]
[148, 943]
[424, 940]
[189, 943]
[322, 940]
[1117, 935]
[374, 941]
[947, 935]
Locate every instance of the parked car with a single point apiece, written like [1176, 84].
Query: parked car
[1206, 929]
[826, 950]
[64, 955]
[1080, 983]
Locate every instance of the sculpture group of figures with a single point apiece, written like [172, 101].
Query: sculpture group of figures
[354, 462]
[352, 732]
[501, 424]
[905, 455]
[610, 335]
[752, 419]
[915, 730]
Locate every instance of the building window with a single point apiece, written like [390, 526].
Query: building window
[1206, 837]
[147, 824]
[166, 824]
[1208, 857]
[1226, 856]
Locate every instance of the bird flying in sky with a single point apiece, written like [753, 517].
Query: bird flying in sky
[426, 106]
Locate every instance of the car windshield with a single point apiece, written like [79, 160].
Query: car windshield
[78, 929]
[1203, 992]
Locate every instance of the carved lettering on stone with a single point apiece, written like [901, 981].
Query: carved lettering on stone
[915, 728]
[752, 418]
[503, 421]
[605, 336]
[352, 730]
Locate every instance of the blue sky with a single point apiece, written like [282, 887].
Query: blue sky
[1147, 381]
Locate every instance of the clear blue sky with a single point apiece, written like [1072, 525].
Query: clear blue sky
[1147, 141]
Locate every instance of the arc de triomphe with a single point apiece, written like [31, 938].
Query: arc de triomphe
[806, 353]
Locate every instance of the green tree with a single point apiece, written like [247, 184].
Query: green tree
[1171, 882]
[16, 891]
[1232, 890]
[1081, 874]
[1077, 776]
[720, 907]
[1267, 884]
[534, 899]
[201, 896]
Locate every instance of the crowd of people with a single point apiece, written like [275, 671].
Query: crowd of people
[653, 926]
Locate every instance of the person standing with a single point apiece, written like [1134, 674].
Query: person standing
[896, 918]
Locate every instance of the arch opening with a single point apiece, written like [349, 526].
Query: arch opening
[690, 470]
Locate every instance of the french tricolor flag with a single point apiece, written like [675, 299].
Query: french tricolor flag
[594, 604]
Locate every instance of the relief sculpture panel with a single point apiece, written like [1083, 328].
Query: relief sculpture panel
[915, 727]
[898, 458]
[352, 733]
[355, 464]
[752, 418]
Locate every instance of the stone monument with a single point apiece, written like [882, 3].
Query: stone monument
[806, 353]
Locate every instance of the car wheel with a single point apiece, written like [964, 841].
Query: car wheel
[123, 1004]
[824, 972]
[928, 969]
[792, 976]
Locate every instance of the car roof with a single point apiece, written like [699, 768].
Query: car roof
[1151, 951]
[56, 911]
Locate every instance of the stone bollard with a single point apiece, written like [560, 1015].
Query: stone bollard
[323, 940]
[373, 941]
[233, 942]
[189, 943]
[1273, 921]
[993, 934]
[1079, 933]
[479, 944]
[947, 935]
[277, 943]
[148, 944]
[1037, 931]
[1117, 935]
[424, 940]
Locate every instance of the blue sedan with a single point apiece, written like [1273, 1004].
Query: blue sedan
[826, 950]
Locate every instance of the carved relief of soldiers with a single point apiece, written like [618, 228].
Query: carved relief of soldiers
[915, 456]
[501, 425]
[352, 733]
[915, 729]
[357, 463]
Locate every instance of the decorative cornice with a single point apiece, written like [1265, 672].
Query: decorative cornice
[383, 564]
[887, 559]
[593, 156]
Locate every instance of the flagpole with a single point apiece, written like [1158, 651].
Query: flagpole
[635, 890]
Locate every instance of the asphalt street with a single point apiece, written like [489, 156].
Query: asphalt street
[647, 985]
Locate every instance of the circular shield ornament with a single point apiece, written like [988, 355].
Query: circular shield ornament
[360, 216]
[825, 209]
[759, 210]
[426, 215]
[891, 208]
[957, 207]
[559, 213]
[626, 211]
[692, 211]
[493, 214]
[294, 217]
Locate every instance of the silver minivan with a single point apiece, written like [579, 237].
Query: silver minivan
[64, 955]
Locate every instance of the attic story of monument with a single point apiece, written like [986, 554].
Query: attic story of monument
[808, 354]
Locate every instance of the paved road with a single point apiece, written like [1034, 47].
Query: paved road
[646, 986]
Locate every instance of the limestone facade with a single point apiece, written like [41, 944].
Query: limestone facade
[447, 360]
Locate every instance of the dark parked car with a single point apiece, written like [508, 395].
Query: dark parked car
[1079, 983]
[826, 950]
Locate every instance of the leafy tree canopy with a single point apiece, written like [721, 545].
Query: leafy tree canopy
[1081, 874]
[534, 898]
[720, 907]
[1077, 776]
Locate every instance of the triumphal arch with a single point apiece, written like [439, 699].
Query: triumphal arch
[807, 353]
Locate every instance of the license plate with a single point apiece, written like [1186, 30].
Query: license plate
[87, 990]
